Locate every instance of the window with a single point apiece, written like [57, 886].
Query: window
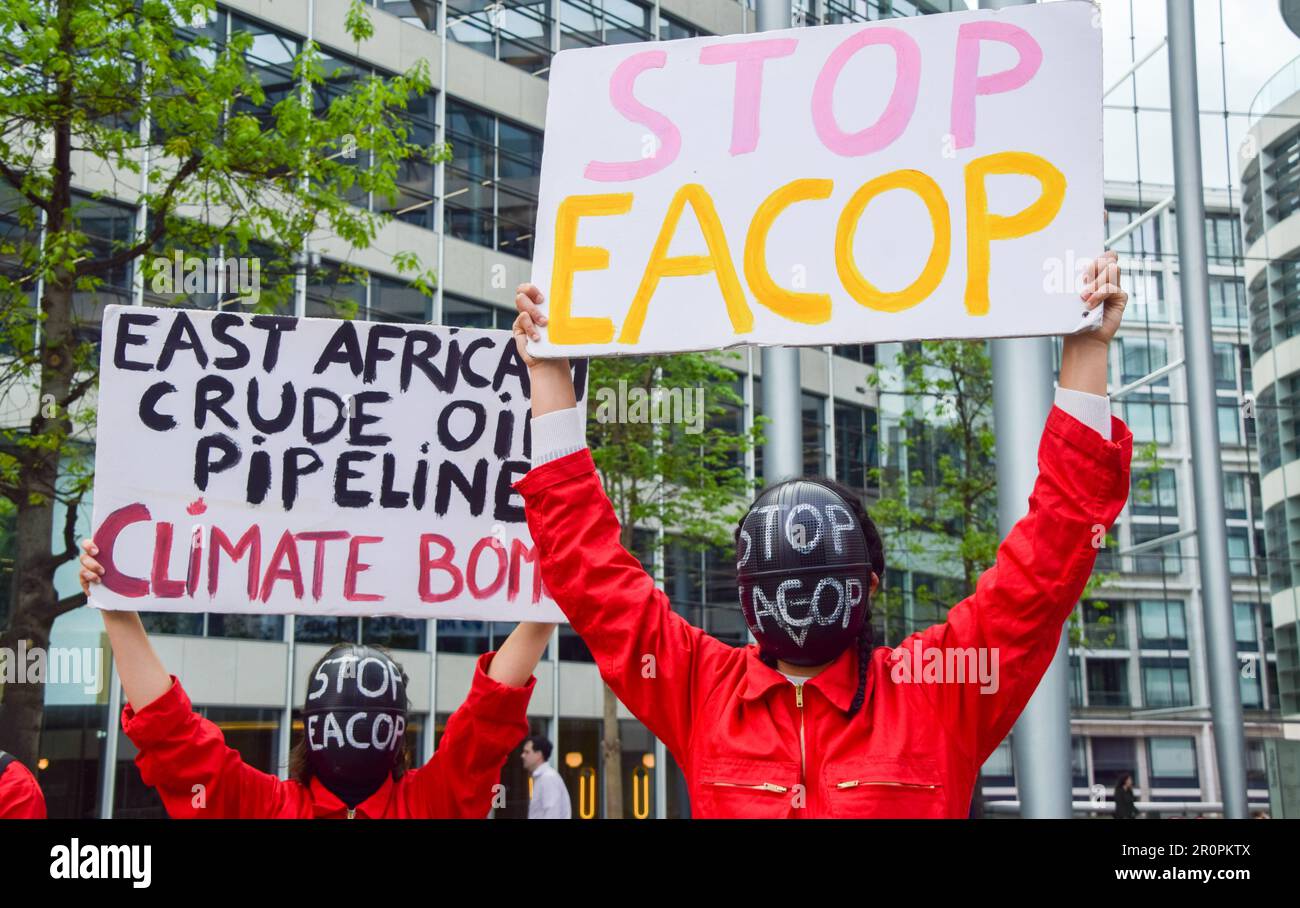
[394, 633]
[1112, 758]
[1162, 623]
[420, 13]
[247, 627]
[1239, 561]
[1234, 495]
[1161, 559]
[1143, 242]
[1146, 293]
[1150, 418]
[587, 23]
[1108, 682]
[1227, 302]
[397, 301]
[1256, 764]
[518, 33]
[1252, 691]
[185, 624]
[1225, 367]
[1229, 422]
[1142, 356]
[1166, 682]
[463, 313]
[492, 180]
[814, 434]
[859, 353]
[460, 636]
[1172, 762]
[270, 59]
[326, 629]
[1222, 238]
[855, 444]
[671, 28]
[1104, 624]
[1155, 493]
[413, 200]
[334, 291]
[1078, 761]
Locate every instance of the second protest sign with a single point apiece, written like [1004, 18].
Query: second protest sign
[929, 177]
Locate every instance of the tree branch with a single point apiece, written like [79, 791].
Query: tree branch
[100, 266]
[68, 603]
[15, 179]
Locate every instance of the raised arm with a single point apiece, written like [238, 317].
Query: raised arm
[182, 755]
[144, 679]
[461, 778]
[1013, 621]
[649, 655]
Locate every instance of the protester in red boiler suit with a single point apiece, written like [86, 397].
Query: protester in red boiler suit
[812, 721]
[20, 796]
[352, 760]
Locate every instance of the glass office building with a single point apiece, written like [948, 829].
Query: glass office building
[1139, 681]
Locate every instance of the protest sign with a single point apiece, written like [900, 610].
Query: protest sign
[926, 177]
[266, 464]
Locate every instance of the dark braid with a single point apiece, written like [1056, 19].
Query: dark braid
[876, 552]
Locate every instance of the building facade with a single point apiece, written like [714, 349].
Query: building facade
[1269, 164]
[1140, 702]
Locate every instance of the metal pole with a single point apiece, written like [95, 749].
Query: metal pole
[1203, 425]
[440, 170]
[1022, 398]
[555, 699]
[108, 772]
[783, 445]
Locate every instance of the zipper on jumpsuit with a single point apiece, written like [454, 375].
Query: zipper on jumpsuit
[803, 756]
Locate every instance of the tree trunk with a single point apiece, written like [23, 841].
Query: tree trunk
[35, 603]
[612, 758]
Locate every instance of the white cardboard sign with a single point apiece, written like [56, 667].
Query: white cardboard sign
[267, 464]
[924, 177]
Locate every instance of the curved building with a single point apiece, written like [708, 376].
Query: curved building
[1269, 163]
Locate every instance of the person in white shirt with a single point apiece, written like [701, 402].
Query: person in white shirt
[550, 800]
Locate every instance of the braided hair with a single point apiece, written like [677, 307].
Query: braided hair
[876, 551]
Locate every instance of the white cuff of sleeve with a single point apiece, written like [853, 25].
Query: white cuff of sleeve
[558, 433]
[1093, 410]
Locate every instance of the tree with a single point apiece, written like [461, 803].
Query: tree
[668, 461]
[938, 487]
[219, 155]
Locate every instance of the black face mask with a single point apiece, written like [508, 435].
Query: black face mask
[803, 573]
[354, 718]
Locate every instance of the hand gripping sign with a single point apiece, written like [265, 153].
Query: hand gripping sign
[928, 177]
[265, 464]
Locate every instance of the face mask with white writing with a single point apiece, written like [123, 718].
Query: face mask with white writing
[354, 720]
[803, 573]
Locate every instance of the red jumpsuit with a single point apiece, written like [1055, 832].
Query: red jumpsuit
[751, 743]
[20, 796]
[185, 757]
